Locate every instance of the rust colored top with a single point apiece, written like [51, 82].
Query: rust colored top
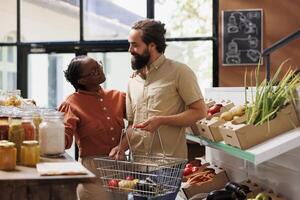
[95, 119]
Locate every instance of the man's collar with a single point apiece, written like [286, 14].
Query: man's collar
[158, 62]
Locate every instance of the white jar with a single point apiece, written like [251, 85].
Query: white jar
[52, 134]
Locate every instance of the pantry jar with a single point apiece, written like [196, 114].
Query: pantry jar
[16, 134]
[52, 134]
[8, 156]
[28, 126]
[30, 153]
[4, 127]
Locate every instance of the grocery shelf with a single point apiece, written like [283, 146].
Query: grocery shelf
[259, 153]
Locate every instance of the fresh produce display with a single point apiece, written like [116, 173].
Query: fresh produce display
[270, 96]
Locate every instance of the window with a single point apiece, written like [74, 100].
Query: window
[8, 19]
[62, 22]
[1, 54]
[106, 20]
[185, 18]
[11, 80]
[46, 81]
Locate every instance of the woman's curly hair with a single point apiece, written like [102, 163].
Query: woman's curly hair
[72, 74]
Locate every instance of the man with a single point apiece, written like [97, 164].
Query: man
[95, 117]
[164, 96]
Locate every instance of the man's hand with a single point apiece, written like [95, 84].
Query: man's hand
[151, 125]
[116, 154]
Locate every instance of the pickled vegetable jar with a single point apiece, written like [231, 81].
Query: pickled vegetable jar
[30, 153]
[8, 156]
[29, 127]
[16, 135]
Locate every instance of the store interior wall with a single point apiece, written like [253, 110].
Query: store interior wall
[280, 18]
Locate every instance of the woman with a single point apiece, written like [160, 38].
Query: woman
[95, 117]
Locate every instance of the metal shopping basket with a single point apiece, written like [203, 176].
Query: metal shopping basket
[146, 176]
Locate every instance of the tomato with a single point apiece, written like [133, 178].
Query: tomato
[194, 169]
[113, 183]
[129, 178]
[187, 171]
[215, 109]
[189, 165]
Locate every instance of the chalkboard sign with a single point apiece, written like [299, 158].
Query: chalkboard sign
[242, 37]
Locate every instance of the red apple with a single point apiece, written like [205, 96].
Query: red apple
[187, 171]
[189, 165]
[113, 183]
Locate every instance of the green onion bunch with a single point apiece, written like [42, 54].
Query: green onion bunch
[270, 96]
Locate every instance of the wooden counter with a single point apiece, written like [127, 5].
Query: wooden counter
[25, 183]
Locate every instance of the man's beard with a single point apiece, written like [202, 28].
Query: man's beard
[140, 61]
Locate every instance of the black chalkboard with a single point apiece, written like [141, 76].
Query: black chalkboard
[242, 37]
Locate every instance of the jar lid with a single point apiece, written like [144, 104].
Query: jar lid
[7, 144]
[30, 142]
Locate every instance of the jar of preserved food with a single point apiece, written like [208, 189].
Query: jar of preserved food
[28, 126]
[52, 134]
[13, 98]
[16, 135]
[30, 153]
[4, 127]
[8, 154]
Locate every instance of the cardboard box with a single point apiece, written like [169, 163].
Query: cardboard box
[245, 136]
[209, 127]
[218, 182]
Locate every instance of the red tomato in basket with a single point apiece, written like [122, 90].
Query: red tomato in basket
[194, 169]
[189, 165]
[129, 178]
[113, 183]
[187, 171]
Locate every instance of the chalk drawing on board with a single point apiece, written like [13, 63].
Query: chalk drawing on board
[242, 37]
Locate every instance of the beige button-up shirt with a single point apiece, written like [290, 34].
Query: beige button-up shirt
[168, 89]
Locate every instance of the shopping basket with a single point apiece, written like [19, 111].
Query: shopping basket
[145, 176]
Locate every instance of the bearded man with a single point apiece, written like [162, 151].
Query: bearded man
[163, 98]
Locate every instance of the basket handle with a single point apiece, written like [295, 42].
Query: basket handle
[160, 141]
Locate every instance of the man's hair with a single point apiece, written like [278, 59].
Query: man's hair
[152, 31]
[72, 74]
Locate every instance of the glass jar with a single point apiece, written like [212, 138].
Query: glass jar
[13, 98]
[37, 119]
[29, 127]
[4, 128]
[16, 134]
[30, 153]
[8, 154]
[52, 134]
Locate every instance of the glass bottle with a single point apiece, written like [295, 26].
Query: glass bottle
[8, 154]
[30, 153]
[52, 134]
[4, 127]
[29, 127]
[16, 134]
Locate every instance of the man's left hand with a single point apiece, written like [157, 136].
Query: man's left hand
[151, 125]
